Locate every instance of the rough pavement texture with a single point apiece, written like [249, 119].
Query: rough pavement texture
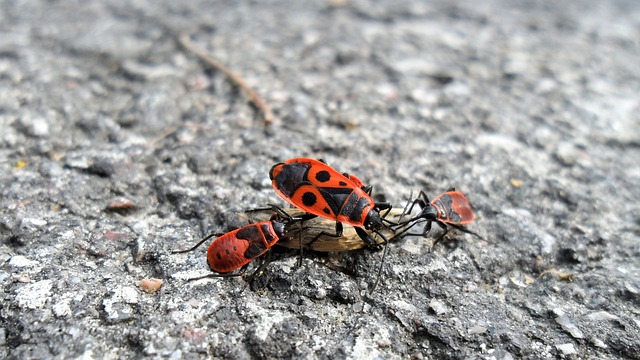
[119, 146]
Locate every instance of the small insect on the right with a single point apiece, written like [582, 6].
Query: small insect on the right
[448, 209]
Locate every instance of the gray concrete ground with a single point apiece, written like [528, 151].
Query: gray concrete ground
[119, 146]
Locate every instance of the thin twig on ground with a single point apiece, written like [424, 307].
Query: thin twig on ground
[257, 100]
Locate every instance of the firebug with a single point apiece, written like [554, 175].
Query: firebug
[237, 248]
[318, 189]
[448, 209]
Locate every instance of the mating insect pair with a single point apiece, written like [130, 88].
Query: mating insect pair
[321, 191]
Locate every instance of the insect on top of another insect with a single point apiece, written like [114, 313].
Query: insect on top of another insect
[318, 189]
[448, 209]
[237, 248]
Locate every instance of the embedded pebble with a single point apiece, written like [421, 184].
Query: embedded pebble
[598, 343]
[62, 308]
[601, 315]
[477, 329]
[569, 326]
[438, 307]
[35, 295]
[567, 349]
[27, 223]
[567, 154]
[19, 261]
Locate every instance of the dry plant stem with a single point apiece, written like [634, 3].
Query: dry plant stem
[258, 101]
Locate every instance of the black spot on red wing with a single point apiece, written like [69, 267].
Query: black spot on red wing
[342, 183]
[327, 211]
[309, 199]
[227, 251]
[219, 256]
[323, 176]
[235, 248]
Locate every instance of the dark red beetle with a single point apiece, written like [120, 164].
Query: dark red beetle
[237, 248]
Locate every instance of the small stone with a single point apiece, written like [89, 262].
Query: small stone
[35, 295]
[151, 285]
[320, 294]
[477, 329]
[28, 223]
[567, 154]
[347, 293]
[569, 326]
[62, 308]
[405, 306]
[148, 72]
[601, 315]
[19, 261]
[122, 206]
[598, 343]
[357, 307]
[3, 336]
[438, 307]
[129, 295]
[630, 288]
[35, 126]
[566, 349]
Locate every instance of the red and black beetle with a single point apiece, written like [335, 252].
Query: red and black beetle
[318, 189]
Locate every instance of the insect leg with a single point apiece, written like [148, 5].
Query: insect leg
[225, 275]
[464, 230]
[259, 272]
[444, 227]
[198, 244]
[422, 201]
[371, 242]
[384, 255]
[338, 234]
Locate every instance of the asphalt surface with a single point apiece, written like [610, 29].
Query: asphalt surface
[119, 146]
